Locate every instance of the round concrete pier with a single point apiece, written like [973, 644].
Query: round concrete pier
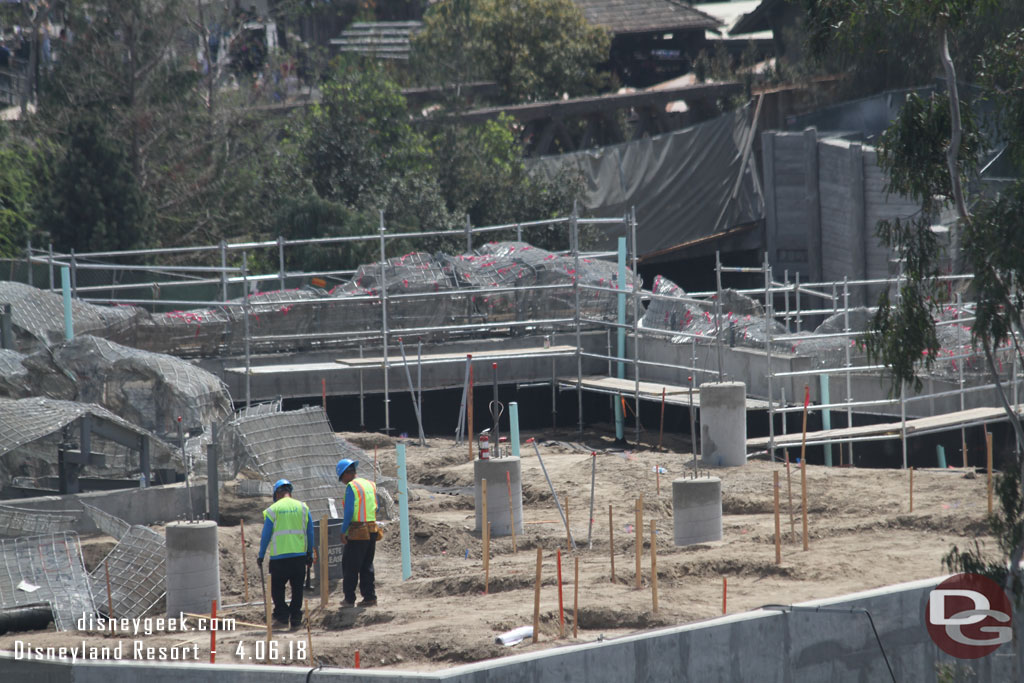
[494, 471]
[193, 567]
[723, 424]
[697, 510]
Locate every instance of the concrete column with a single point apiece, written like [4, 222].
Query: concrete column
[193, 567]
[494, 471]
[723, 425]
[697, 510]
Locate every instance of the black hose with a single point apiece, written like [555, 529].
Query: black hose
[34, 617]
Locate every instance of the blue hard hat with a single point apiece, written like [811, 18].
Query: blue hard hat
[282, 482]
[344, 464]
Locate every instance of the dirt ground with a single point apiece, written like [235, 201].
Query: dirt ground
[862, 536]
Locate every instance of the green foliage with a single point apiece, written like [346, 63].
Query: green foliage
[913, 150]
[18, 192]
[884, 44]
[533, 49]
[1006, 525]
[362, 154]
[93, 203]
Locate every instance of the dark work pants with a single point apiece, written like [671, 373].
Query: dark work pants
[287, 570]
[357, 568]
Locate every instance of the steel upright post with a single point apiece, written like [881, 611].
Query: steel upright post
[769, 317]
[849, 398]
[718, 312]
[245, 328]
[384, 325]
[574, 227]
[636, 327]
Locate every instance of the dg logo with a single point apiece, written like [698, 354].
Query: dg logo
[968, 616]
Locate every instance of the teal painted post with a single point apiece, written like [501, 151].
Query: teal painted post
[620, 371]
[940, 453]
[513, 419]
[826, 417]
[65, 286]
[403, 512]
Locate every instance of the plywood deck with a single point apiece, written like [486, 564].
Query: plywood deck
[892, 430]
[649, 391]
[457, 357]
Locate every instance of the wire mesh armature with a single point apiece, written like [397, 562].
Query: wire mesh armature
[37, 317]
[298, 446]
[112, 526]
[136, 566]
[151, 390]
[52, 563]
[16, 521]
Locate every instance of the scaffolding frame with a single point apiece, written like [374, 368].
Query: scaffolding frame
[799, 301]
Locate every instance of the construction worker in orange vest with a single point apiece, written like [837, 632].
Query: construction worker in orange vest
[359, 534]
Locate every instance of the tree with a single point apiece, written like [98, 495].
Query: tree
[931, 153]
[533, 49]
[18, 192]
[188, 156]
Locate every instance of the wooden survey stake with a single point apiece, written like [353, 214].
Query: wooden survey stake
[654, 568]
[536, 597]
[988, 466]
[778, 525]
[485, 533]
[245, 573]
[576, 597]
[325, 589]
[611, 540]
[911, 489]
[803, 463]
[638, 531]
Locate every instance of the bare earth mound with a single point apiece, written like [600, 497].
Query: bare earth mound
[862, 535]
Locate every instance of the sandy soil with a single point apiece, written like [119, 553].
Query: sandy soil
[862, 535]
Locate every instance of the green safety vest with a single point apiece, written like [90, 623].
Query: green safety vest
[365, 509]
[289, 517]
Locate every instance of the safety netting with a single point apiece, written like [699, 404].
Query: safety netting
[17, 521]
[50, 569]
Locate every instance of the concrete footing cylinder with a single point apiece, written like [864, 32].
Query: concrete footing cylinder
[723, 424]
[494, 471]
[697, 510]
[193, 567]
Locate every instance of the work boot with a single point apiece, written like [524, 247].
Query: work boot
[297, 624]
[347, 603]
[369, 602]
[281, 622]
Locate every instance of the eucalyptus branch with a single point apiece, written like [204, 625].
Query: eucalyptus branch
[957, 133]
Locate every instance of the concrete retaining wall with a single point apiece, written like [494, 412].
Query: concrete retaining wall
[764, 646]
[150, 505]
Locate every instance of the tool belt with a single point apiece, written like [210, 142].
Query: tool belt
[364, 531]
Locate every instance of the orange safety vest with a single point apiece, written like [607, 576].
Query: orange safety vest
[365, 508]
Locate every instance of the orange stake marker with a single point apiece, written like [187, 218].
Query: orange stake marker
[561, 609]
[576, 598]
[654, 568]
[213, 632]
[511, 515]
[357, 659]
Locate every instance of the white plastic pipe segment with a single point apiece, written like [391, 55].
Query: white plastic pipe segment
[403, 512]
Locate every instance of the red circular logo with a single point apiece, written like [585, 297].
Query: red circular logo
[968, 616]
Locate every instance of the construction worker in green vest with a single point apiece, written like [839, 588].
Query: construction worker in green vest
[288, 532]
[359, 534]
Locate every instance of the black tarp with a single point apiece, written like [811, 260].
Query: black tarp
[679, 182]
